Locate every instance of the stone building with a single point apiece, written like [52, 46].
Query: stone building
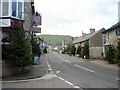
[94, 40]
[111, 36]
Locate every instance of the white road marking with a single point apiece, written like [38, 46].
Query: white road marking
[60, 78]
[76, 87]
[57, 72]
[84, 68]
[67, 61]
[55, 75]
[69, 82]
[50, 69]
[117, 78]
[45, 57]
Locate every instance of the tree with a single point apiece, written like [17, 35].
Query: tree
[18, 51]
[35, 48]
[79, 50]
[109, 55]
[45, 50]
[71, 48]
[117, 53]
[85, 51]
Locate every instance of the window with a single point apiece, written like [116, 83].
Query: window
[5, 8]
[104, 38]
[14, 8]
[20, 10]
[107, 36]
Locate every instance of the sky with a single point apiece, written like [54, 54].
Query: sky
[71, 17]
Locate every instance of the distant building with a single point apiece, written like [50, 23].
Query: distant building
[119, 11]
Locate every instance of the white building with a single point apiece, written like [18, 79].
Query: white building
[12, 12]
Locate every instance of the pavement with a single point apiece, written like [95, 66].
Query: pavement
[34, 71]
[37, 71]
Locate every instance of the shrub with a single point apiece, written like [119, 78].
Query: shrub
[18, 51]
[85, 52]
[109, 55]
[45, 50]
[117, 53]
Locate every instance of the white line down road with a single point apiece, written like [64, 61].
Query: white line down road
[84, 68]
[67, 61]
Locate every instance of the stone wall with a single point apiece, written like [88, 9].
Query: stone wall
[95, 52]
[97, 39]
[112, 38]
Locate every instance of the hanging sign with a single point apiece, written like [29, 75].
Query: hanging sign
[36, 20]
[36, 29]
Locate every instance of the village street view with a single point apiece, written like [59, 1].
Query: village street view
[30, 59]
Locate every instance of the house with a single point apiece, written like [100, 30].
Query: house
[93, 40]
[111, 36]
[13, 12]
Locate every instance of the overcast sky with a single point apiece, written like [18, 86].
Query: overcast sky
[71, 17]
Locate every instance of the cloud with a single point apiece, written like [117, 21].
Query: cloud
[71, 17]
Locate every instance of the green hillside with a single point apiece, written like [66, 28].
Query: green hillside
[56, 40]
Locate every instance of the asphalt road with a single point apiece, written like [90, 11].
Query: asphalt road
[82, 74]
[70, 72]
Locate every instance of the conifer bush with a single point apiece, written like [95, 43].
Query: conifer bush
[18, 51]
[117, 53]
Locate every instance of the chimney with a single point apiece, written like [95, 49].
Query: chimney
[83, 34]
[92, 30]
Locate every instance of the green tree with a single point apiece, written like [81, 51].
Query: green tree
[18, 51]
[35, 48]
[45, 50]
[109, 55]
[71, 48]
[85, 51]
[79, 50]
[117, 53]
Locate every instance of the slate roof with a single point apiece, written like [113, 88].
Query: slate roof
[117, 25]
[86, 37]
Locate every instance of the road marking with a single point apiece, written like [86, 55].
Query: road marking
[117, 78]
[57, 72]
[67, 61]
[76, 87]
[84, 68]
[60, 78]
[45, 57]
[69, 82]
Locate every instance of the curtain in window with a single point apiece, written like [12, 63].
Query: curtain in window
[20, 10]
[14, 8]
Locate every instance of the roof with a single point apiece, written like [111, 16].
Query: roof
[86, 37]
[112, 28]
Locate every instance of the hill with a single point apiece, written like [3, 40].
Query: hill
[56, 40]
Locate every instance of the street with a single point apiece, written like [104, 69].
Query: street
[69, 72]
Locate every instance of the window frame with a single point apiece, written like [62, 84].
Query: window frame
[2, 8]
[10, 9]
